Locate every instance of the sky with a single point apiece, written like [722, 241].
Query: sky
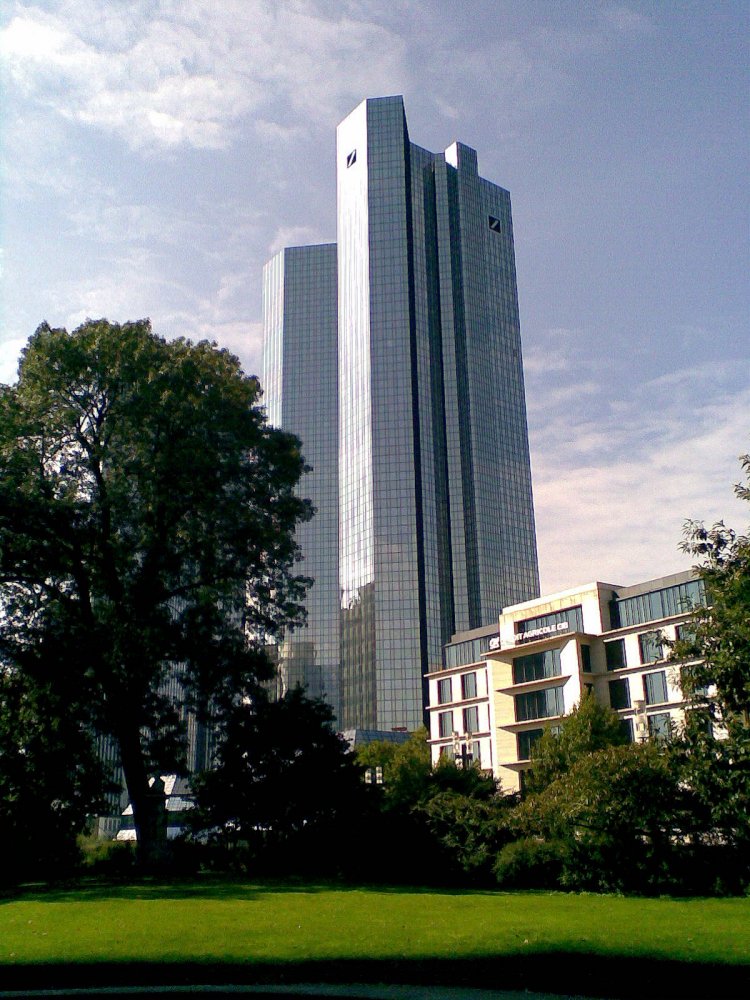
[154, 153]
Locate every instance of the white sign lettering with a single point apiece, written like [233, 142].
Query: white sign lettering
[535, 633]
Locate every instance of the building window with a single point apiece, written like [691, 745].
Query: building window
[472, 752]
[526, 741]
[686, 632]
[351, 158]
[471, 719]
[615, 653]
[660, 726]
[619, 694]
[626, 726]
[495, 224]
[586, 658]
[469, 685]
[539, 704]
[445, 722]
[657, 604]
[651, 647]
[655, 688]
[461, 654]
[536, 666]
[444, 691]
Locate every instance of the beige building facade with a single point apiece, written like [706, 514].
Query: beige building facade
[500, 687]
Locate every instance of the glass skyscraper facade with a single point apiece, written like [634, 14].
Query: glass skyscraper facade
[435, 514]
[299, 380]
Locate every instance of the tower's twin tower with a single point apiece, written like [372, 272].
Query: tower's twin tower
[395, 355]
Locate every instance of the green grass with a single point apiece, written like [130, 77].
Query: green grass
[238, 923]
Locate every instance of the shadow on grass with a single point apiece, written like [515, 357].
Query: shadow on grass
[205, 887]
[616, 978]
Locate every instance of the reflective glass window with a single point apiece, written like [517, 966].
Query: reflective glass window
[615, 654]
[536, 666]
[539, 704]
[471, 719]
[469, 685]
[619, 694]
[444, 691]
[655, 688]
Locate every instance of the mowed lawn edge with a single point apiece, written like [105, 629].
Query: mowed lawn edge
[245, 923]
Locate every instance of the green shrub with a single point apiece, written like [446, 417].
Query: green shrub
[531, 864]
[107, 857]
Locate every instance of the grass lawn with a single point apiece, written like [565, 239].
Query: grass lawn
[255, 925]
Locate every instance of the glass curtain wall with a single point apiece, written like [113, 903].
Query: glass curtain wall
[300, 383]
[436, 516]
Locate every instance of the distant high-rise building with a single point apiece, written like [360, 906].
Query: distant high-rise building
[435, 514]
[299, 379]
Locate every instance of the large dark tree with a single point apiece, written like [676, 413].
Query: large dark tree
[285, 788]
[50, 780]
[147, 517]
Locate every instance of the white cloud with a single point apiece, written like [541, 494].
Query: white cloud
[613, 488]
[170, 74]
[10, 351]
[293, 236]
[186, 73]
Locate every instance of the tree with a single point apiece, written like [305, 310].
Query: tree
[147, 516]
[618, 816]
[50, 780]
[427, 823]
[588, 728]
[470, 828]
[718, 651]
[599, 813]
[284, 781]
[713, 751]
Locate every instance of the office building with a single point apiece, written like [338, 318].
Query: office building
[501, 686]
[435, 520]
[299, 379]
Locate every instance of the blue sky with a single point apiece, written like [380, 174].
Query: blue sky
[156, 152]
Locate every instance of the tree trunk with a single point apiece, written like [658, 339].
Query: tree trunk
[149, 806]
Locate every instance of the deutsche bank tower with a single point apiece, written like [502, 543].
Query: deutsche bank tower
[396, 356]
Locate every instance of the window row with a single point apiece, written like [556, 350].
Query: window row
[655, 691]
[536, 666]
[470, 719]
[657, 604]
[468, 688]
[539, 704]
[650, 647]
[469, 753]
[659, 728]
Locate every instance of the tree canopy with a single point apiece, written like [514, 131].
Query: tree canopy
[588, 728]
[718, 648]
[147, 550]
[50, 779]
[713, 751]
[283, 779]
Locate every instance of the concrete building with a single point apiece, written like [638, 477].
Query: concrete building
[435, 514]
[500, 687]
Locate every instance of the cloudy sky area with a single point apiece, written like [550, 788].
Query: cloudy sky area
[156, 152]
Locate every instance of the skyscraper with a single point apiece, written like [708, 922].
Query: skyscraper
[299, 379]
[435, 524]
